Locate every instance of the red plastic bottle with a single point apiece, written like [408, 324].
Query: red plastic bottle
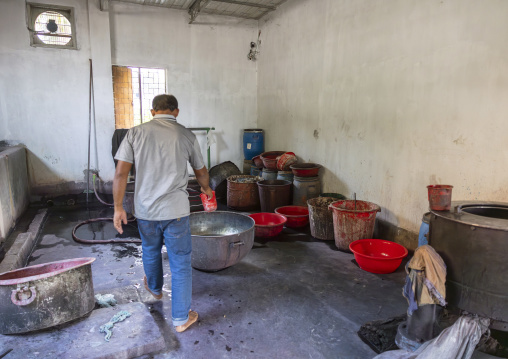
[209, 205]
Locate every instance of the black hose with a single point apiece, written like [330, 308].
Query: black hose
[97, 195]
[101, 241]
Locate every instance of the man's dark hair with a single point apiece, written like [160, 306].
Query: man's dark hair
[164, 102]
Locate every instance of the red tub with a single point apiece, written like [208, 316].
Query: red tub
[377, 255]
[297, 216]
[268, 224]
[305, 169]
[258, 162]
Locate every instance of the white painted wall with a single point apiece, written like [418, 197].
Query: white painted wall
[44, 96]
[44, 92]
[206, 64]
[390, 96]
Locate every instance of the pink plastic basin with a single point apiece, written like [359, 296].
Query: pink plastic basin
[268, 224]
[377, 255]
[297, 216]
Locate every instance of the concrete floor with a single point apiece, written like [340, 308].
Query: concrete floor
[291, 297]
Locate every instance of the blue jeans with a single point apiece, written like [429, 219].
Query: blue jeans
[176, 235]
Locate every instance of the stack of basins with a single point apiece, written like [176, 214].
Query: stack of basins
[306, 183]
[275, 192]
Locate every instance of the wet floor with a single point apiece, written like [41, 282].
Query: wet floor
[291, 297]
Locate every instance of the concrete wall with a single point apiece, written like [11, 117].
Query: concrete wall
[390, 96]
[14, 189]
[44, 92]
[206, 64]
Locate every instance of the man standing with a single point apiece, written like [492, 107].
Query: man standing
[160, 150]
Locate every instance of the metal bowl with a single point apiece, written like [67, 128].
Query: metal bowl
[220, 239]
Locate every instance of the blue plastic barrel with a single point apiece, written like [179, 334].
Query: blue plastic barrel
[269, 174]
[253, 142]
[423, 235]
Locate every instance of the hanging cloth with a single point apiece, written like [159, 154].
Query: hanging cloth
[425, 282]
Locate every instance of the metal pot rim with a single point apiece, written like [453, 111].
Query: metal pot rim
[80, 263]
[223, 235]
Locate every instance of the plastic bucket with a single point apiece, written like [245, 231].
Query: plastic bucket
[269, 174]
[321, 218]
[253, 142]
[423, 235]
[305, 188]
[349, 224]
[440, 197]
[209, 204]
[285, 175]
[273, 194]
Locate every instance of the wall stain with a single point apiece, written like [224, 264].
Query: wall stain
[460, 140]
[316, 134]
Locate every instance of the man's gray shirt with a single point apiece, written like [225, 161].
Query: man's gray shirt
[160, 150]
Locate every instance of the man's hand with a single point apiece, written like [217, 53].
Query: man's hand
[208, 192]
[204, 181]
[119, 217]
[119, 185]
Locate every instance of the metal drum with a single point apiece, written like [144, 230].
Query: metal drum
[220, 239]
[472, 239]
[45, 295]
[243, 192]
[274, 194]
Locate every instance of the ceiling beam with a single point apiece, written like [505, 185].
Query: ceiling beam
[267, 7]
[196, 8]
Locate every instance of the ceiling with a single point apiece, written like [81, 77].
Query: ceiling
[246, 9]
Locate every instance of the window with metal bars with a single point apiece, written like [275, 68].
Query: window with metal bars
[134, 89]
[51, 26]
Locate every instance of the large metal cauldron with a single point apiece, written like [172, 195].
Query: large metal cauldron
[472, 239]
[220, 239]
[45, 295]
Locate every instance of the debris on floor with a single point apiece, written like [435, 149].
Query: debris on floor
[379, 335]
[105, 300]
[108, 327]
[457, 341]
[138, 335]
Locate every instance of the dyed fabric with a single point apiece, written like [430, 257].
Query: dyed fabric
[426, 278]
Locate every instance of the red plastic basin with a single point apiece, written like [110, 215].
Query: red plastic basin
[305, 169]
[268, 224]
[258, 162]
[377, 255]
[286, 160]
[297, 216]
[270, 159]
